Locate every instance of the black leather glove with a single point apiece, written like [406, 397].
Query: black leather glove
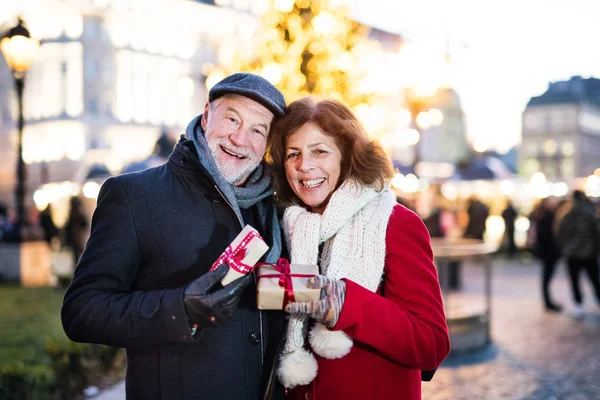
[207, 303]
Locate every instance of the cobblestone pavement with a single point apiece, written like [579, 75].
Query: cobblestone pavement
[534, 355]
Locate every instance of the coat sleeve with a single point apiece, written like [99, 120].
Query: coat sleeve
[100, 305]
[408, 325]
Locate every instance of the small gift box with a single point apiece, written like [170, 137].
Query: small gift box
[284, 283]
[242, 254]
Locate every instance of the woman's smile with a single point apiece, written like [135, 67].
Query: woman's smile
[313, 183]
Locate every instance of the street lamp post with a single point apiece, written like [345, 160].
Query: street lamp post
[19, 49]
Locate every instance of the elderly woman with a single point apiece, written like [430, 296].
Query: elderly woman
[380, 320]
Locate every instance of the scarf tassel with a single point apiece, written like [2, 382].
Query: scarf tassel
[299, 367]
[329, 344]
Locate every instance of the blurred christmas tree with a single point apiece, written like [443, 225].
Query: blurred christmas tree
[308, 47]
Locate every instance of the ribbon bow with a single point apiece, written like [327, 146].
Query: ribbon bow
[285, 278]
[233, 257]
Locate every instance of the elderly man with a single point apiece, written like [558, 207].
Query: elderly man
[143, 282]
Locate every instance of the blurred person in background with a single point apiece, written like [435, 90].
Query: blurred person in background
[545, 247]
[162, 149]
[579, 240]
[562, 208]
[76, 228]
[441, 222]
[47, 224]
[434, 222]
[143, 282]
[478, 214]
[408, 202]
[509, 215]
[380, 320]
[534, 217]
[4, 223]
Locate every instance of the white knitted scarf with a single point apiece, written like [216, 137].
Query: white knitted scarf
[353, 229]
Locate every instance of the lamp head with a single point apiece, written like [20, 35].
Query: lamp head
[18, 48]
[18, 30]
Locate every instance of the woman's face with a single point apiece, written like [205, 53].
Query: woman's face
[312, 166]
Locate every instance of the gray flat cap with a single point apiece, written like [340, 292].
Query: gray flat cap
[254, 87]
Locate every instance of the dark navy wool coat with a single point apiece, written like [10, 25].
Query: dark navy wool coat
[153, 232]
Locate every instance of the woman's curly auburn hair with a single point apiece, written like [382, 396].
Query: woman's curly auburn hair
[363, 159]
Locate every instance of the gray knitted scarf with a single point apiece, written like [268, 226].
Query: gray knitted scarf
[256, 188]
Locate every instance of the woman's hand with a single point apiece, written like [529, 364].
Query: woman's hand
[327, 310]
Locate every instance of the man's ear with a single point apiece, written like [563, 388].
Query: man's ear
[204, 118]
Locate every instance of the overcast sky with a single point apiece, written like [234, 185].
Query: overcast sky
[505, 51]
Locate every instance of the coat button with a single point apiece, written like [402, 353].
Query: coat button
[254, 338]
[308, 396]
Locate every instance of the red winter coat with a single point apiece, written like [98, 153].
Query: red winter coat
[396, 336]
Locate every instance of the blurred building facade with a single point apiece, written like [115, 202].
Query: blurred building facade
[446, 142]
[442, 141]
[109, 76]
[561, 131]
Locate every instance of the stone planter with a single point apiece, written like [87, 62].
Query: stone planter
[27, 263]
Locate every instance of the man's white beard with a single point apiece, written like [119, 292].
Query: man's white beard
[230, 172]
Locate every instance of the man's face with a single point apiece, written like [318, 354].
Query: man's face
[236, 129]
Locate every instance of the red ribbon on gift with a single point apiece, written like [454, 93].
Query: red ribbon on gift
[233, 257]
[285, 279]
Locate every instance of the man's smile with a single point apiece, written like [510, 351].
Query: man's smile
[232, 153]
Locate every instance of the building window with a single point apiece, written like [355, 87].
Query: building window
[73, 26]
[92, 106]
[123, 104]
[91, 69]
[531, 166]
[557, 119]
[107, 72]
[589, 121]
[6, 117]
[548, 122]
[73, 79]
[570, 119]
[567, 148]
[550, 147]
[550, 171]
[90, 27]
[531, 121]
[530, 148]
[567, 168]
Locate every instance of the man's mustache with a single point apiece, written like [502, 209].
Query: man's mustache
[244, 152]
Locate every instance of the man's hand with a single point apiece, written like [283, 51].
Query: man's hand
[213, 308]
[327, 310]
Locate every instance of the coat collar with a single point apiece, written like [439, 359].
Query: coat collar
[185, 156]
